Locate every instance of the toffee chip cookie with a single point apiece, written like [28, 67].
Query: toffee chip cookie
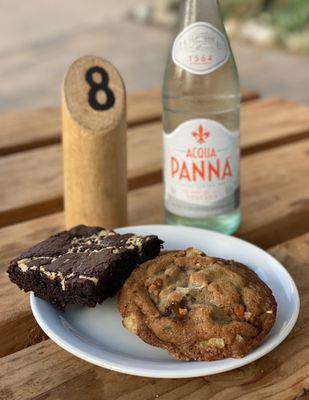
[83, 265]
[197, 307]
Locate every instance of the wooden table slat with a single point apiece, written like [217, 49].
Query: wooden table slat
[267, 124]
[24, 130]
[38, 173]
[282, 374]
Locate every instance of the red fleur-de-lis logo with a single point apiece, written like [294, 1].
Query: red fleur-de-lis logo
[200, 135]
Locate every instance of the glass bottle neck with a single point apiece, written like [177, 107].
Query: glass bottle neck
[200, 10]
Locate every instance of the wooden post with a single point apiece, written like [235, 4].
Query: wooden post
[94, 144]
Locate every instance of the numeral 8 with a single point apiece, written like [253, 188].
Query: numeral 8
[96, 87]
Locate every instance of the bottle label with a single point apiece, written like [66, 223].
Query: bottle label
[200, 49]
[201, 169]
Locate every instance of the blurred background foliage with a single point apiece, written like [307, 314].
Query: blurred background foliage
[265, 22]
[288, 19]
[287, 15]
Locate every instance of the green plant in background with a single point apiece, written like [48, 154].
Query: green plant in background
[287, 15]
[288, 18]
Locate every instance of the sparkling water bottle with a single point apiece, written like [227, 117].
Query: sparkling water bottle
[201, 104]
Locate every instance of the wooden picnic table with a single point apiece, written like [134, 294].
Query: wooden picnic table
[275, 206]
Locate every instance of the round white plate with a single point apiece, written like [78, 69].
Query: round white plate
[97, 335]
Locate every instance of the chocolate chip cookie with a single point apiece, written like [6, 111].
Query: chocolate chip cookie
[197, 307]
[83, 265]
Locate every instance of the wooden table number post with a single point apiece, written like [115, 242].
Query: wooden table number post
[94, 144]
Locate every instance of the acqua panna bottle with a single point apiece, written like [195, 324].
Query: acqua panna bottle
[201, 105]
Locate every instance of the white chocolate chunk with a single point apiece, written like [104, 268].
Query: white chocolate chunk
[134, 241]
[89, 278]
[183, 291]
[239, 338]
[130, 322]
[22, 264]
[247, 315]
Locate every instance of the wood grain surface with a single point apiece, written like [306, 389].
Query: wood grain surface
[38, 175]
[265, 124]
[280, 375]
[24, 130]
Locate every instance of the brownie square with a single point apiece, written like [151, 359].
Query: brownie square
[84, 265]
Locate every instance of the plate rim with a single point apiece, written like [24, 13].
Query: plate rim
[169, 374]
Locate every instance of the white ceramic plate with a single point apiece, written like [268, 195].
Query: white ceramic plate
[96, 334]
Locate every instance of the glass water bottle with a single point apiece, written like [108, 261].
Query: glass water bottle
[201, 104]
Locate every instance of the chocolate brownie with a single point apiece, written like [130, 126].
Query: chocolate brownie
[83, 265]
[197, 307]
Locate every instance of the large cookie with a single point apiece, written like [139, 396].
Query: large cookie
[84, 265]
[197, 307]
